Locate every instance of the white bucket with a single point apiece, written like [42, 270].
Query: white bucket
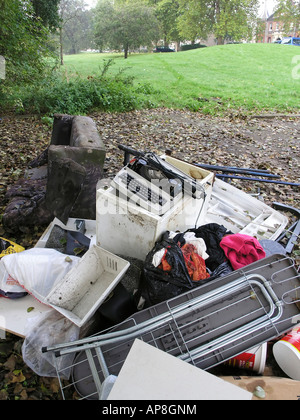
[287, 353]
[254, 359]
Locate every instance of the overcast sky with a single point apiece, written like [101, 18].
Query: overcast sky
[270, 5]
[91, 3]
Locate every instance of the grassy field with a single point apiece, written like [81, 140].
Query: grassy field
[246, 77]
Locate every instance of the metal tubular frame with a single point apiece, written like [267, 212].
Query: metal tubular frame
[161, 320]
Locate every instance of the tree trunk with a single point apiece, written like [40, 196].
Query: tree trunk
[220, 39]
[61, 46]
[126, 52]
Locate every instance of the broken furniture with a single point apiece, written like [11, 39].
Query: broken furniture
[204, 327]
[75, 165]
[210, 324]
[62, 181]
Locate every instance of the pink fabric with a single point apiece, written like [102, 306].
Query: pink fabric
[241, 249]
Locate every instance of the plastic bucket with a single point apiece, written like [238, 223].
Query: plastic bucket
[254, 359]
[287, 353]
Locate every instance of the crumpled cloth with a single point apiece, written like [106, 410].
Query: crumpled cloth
[158, 256]
[198, 243]
[241, 249]
[212, 234]
[195, 264]
[188, 238]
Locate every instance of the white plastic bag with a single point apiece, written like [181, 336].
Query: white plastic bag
[38, 270]
[9, 287]
[46, 330]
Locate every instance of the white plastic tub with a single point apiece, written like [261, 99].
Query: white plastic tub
[252, 360]
[87, 285]
[287, 353]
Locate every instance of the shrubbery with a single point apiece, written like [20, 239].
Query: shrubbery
[192, 47]
[56, 93]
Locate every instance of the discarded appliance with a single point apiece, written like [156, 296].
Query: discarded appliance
[18, 312]
[242, 213]
[73, 286]
[205, 327]
[124, 221]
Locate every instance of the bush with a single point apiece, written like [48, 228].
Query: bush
[192, 47]
[58, 94]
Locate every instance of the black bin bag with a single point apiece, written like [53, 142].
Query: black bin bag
[158, 285]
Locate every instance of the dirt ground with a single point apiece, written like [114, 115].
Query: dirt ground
[261, 143]
[257, 142]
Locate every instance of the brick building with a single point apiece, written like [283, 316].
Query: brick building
[273, 29]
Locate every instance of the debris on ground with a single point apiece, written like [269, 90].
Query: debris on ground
[191, 137]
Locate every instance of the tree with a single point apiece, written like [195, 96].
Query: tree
[23, 41]
[167, 12]
[124, 26]
[69, 12]
[288, 11]
[47, 10]
[76, 27]
[259, 29]
[223, 18]
[78, 32]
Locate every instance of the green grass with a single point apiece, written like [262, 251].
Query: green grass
[245, 77]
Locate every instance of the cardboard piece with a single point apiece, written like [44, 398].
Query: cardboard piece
[151, 374]
[275, 388]
[16, 313]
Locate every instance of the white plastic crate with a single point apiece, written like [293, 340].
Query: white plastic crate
[87, 285]
[239, 212]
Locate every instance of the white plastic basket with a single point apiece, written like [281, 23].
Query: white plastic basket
[87, 285]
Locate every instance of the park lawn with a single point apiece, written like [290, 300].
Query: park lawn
[246, 77]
